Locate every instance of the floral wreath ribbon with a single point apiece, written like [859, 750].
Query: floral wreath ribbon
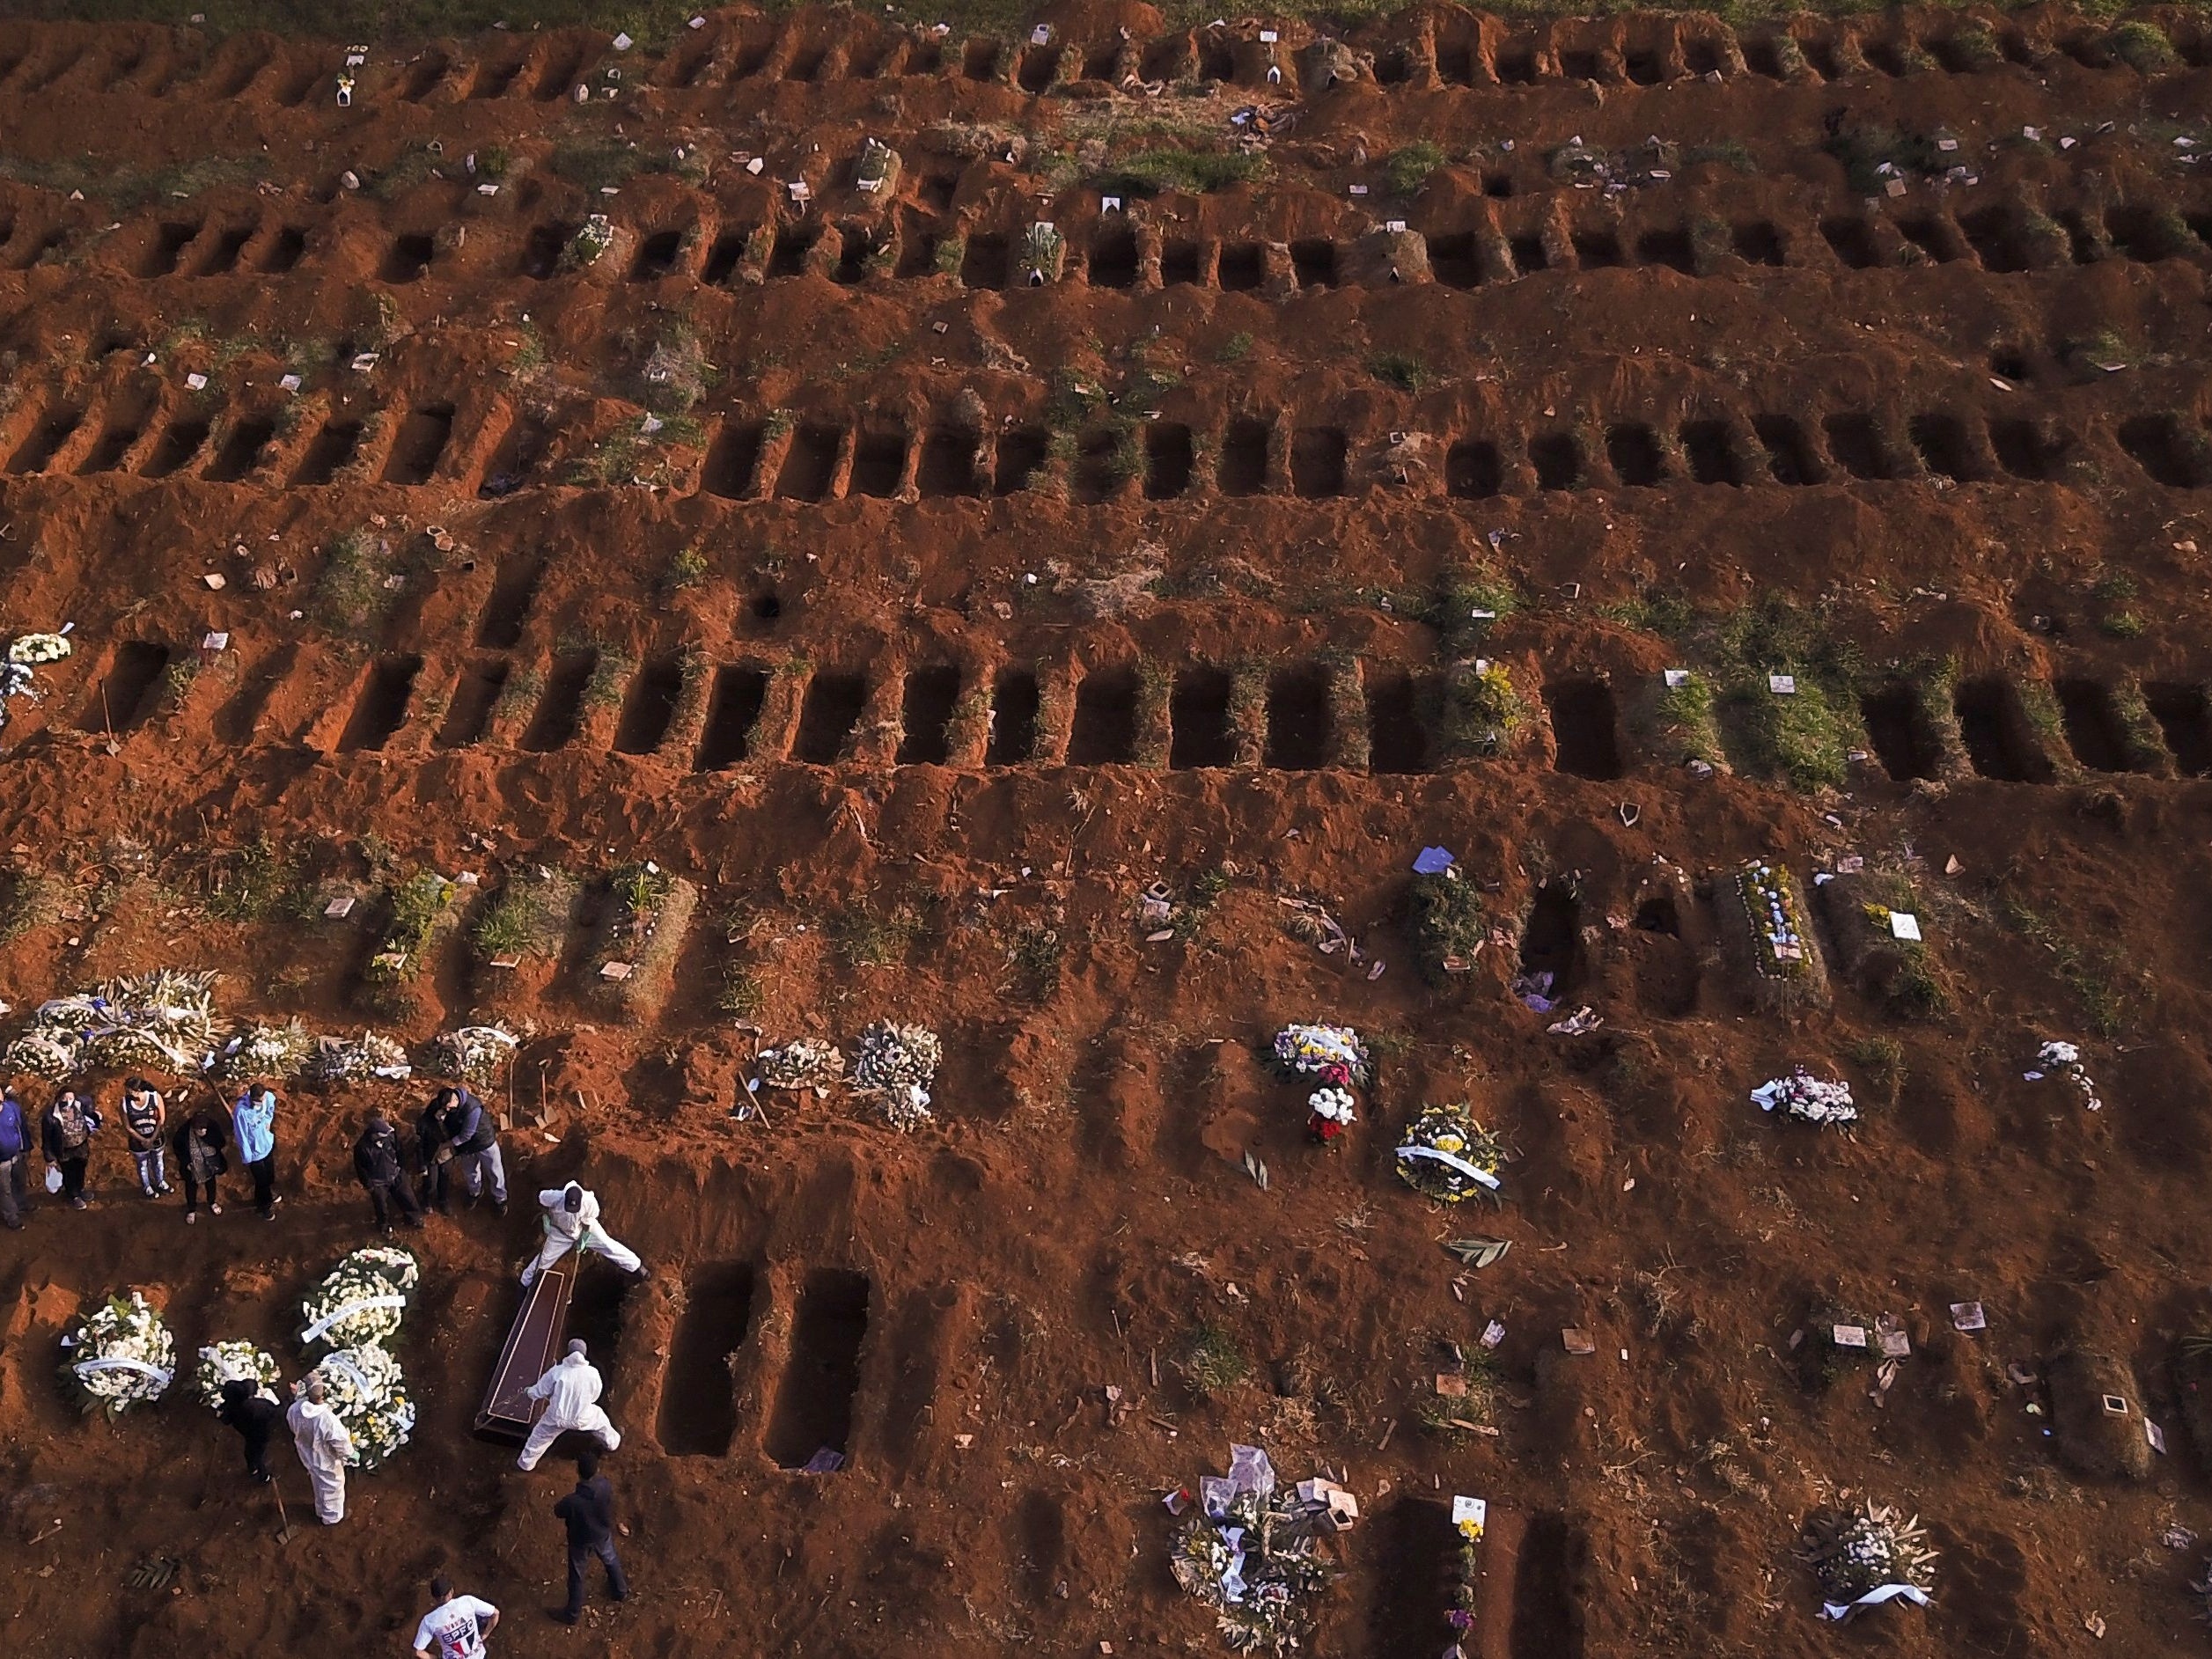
[315, 1330]
[1912, 1593]
[87, 1368]
[1455, 1161]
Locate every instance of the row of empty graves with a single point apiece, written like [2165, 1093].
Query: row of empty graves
[851, 1376]
[2001, 237]
[725, 1347]
[1459, 48]
[1258, 454]
[816, 460]
[1121, 254]
[137, 435]
[1344, 713]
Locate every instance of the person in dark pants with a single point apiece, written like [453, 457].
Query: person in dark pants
[473, 1134]
[144, 1117]
[201, 1144]
[255, 1416]
[376, 1161]
[589, 1513]
[253, 1127]
[67, 1131]
[437, 1154]
[15, 1150]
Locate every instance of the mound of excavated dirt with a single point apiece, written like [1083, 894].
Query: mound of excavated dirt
[1614, 451]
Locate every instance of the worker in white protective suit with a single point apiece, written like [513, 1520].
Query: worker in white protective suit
[571, 1392]
[324, 1446]
[572, 1221]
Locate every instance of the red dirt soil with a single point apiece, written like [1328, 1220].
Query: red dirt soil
[1928, 451]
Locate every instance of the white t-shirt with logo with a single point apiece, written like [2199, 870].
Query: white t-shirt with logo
[449, 1630]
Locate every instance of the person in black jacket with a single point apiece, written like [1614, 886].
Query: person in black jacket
[473, 1134]
[434, 1152]
[376, 1162]
[203, 1147]
[255, 1416]
[66, 1132]
[589, 1513]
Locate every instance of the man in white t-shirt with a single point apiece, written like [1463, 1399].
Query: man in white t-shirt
[457, 1626]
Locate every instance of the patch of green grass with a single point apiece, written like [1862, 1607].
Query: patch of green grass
[1661, 611]
[609, 674]
[419, 905]
[593, 164]
[1482, 712]
[1038, 955]
[1469, 599]
[1196, 172]
[676, 374]
[258, 884]
[1452, 1419]
[867, 938]
[1399, 368]
[1235, 349]
[1197, 908]
[525, 920]
[1802, 739]
[1805, 738]
[1727, 152]
[1408, 166]
[352, 594]
[2094, 351]
[1974, 46]
[2095, 973]
[1446, 922]
[530, 351]
[742, 996]
[687, 567]
[410, 167]
[1212, 1361]
[129, 187]
[1883, 1061]
[1863, 149]
[641, 889]
[1072, 399]
[29, 900]
[2143, 48]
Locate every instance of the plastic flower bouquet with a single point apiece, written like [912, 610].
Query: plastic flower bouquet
[1333, 1054]
[359, 1301]
[222, 1363]
[364, 1387]
[1449, 1157]
[117, 1355]
[802, 1063]
[1809, 1100]
[898, 1062]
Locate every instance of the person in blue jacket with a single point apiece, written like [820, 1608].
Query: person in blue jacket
[15, 1148]
[253, 1127]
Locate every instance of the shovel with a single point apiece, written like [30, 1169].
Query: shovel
[284, 1521]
